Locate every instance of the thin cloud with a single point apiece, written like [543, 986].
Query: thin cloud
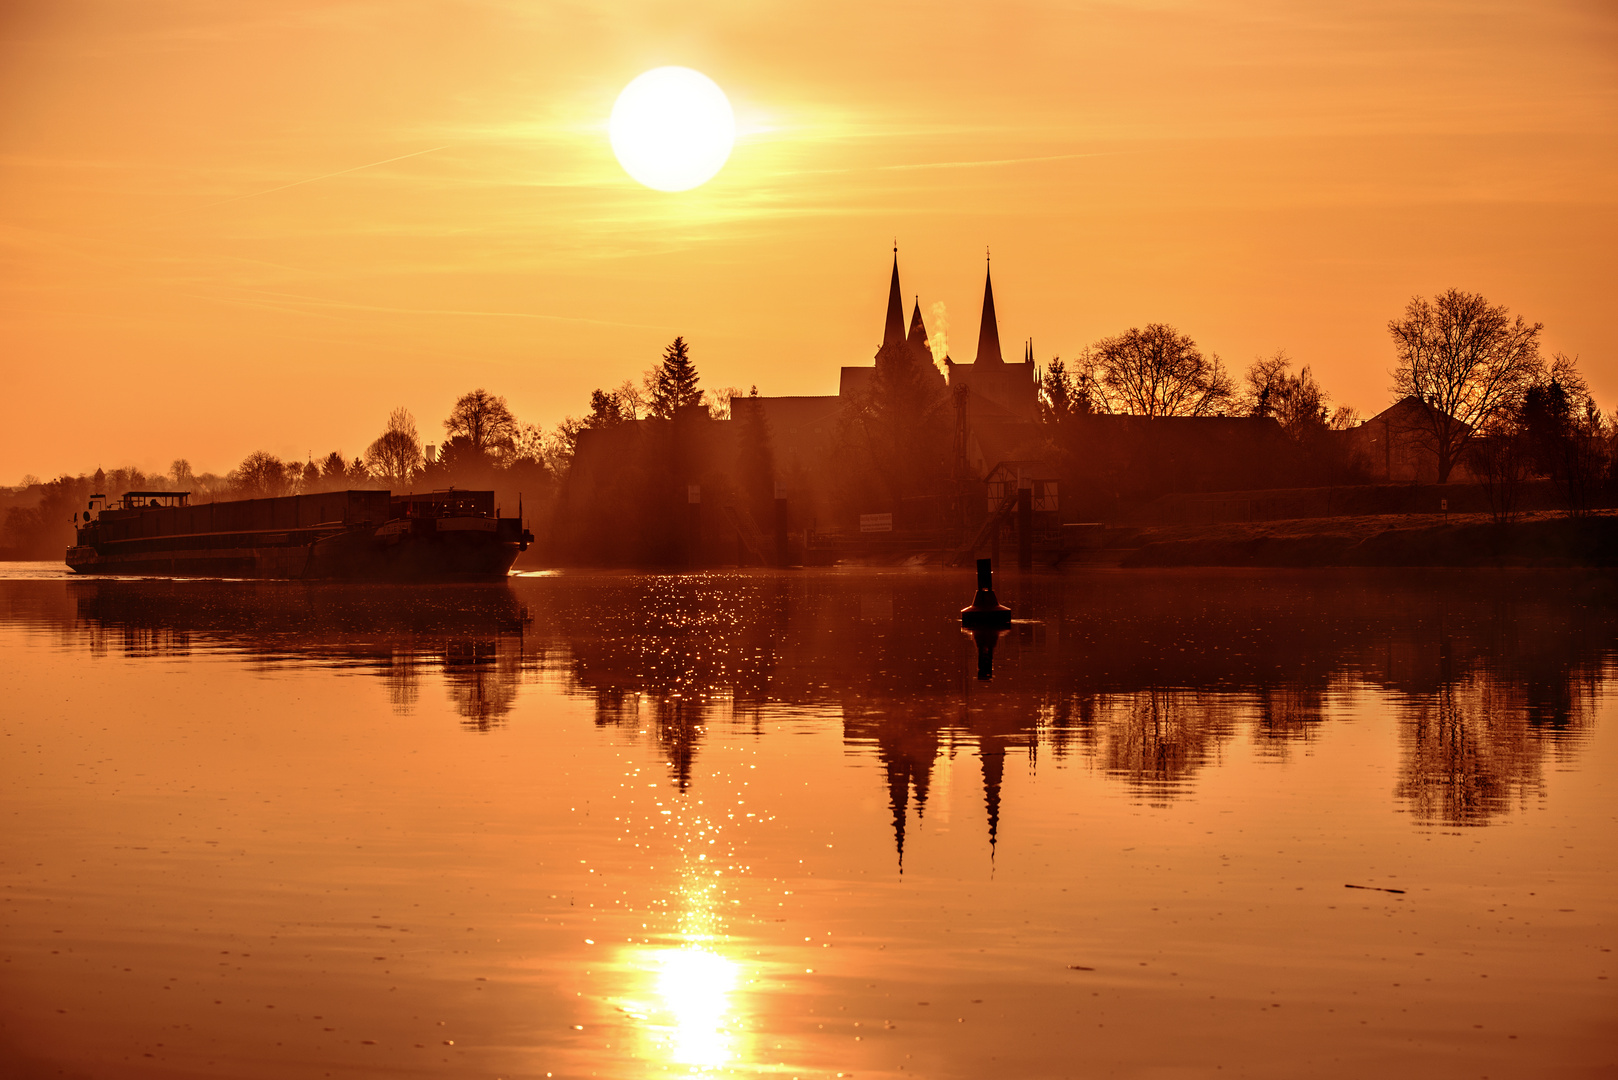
[997, 161]
[323, 176]
[313, 305]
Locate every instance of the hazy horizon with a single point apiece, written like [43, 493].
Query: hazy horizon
[226, 232]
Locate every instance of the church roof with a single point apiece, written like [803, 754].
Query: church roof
[989, 331]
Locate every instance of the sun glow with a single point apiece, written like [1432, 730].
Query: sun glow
[672, 128]
[695, 986]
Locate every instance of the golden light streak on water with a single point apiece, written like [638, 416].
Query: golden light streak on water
[684, 998]
[694, 1022]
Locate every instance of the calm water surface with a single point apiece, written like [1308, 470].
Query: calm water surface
[774, 824]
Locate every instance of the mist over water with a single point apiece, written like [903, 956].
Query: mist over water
[776, 824]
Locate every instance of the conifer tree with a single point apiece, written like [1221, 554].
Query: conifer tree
[675, 384]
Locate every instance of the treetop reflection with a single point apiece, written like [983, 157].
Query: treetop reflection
[1142, 676]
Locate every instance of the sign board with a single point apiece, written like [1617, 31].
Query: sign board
[876, 523]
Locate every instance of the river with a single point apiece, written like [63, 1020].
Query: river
[1193, 823]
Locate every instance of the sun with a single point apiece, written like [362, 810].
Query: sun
[672, 128]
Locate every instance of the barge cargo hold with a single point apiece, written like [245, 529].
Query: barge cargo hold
[351, 535]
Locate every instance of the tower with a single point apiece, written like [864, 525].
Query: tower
[989, 330]
[998, 389]
[905, 356]
[920, 352]
[893, 334]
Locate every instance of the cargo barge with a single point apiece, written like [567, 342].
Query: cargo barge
[351, 535]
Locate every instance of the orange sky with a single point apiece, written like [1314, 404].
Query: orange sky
[195, 261]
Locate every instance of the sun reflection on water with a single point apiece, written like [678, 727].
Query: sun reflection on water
[685, 1009]
[692, 1025]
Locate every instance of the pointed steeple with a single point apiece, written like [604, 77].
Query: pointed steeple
[899, 803]
[893, 334]
[918, 329]
[989, 331]
[992, 756]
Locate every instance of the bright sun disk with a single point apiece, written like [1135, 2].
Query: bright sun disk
[672, 128]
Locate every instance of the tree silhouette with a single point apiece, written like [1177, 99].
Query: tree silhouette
[1295, 400]
[1158, 371]
[608, 409]
[1564, 434]
[395, 456]
[261, 475]
[333, 469]
[674, 383]
[483, 424]
[1468, 361]
[1064, 394]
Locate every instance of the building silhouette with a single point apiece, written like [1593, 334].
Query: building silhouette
[988, 409]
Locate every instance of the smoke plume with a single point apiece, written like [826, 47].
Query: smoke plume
[938, 340]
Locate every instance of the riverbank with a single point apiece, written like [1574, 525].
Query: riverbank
[1540, 539]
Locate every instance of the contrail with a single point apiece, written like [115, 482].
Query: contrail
[324, 176]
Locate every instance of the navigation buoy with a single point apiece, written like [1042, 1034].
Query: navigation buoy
[986, 610]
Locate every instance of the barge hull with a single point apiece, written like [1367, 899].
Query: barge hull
[413, 560]
[355, 536]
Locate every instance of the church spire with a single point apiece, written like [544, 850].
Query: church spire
[989, 332]
[893, 334]
[918, 329]
[917, 341]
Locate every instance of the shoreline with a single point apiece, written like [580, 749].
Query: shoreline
[1540, 539]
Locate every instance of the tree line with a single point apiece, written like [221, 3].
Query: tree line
[1489, 400]
[485, 445]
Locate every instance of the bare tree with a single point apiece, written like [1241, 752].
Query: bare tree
[483, 423]
[718, 401]
[1501, 461]
[1158, 371]
[529, 444]
[261, 475]
[635, 398]
[561, 444]
[395, 456]
[1468, 361]
[1296, 400]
